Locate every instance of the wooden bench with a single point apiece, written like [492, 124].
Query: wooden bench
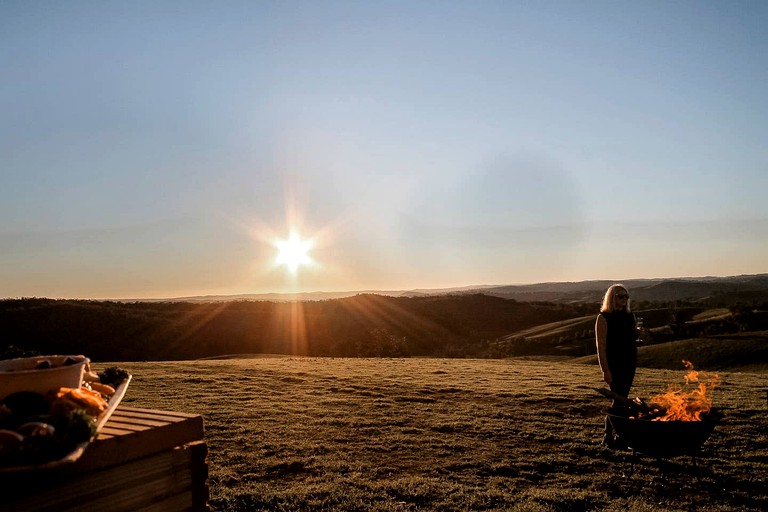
[143, 460]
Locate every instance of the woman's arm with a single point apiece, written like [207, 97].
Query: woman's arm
[601, 335]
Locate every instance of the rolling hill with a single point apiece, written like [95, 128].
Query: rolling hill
[712, 290]
[746, 352]
[458, 324]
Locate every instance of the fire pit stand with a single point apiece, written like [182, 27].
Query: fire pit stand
[663, 439]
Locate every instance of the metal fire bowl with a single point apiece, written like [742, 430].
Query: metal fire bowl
[665, 438]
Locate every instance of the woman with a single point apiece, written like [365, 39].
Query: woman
[616, 335]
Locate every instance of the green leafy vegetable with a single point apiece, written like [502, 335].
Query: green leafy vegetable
[113, 376]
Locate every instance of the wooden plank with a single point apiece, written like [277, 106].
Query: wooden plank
[143, 459]
[131, 425]
[138, 412]
[146, 419]
[117, 430]
[122, 488]
[145, 423]
[199, 468]
[141, 494]
[120, 445]
[180, 502]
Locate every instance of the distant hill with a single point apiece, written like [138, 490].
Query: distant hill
[725, 290]
[710, 290]
[320, 295]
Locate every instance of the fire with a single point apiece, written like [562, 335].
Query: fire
[689, 402]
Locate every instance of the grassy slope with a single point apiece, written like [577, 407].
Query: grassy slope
[437, 434]
[555, 329]
[737, 352]
[713, 314]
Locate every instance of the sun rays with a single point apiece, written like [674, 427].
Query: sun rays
[293, 252]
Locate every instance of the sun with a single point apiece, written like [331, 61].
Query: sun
[293, 252]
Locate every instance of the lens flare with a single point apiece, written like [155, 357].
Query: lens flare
[293, 252]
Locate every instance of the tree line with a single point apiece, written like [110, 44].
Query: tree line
[365, 325]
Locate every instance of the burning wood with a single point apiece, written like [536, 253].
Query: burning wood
[636, 404]
[690, 402]
[678, 403]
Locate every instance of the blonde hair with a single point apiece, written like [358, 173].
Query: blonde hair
[608, 300]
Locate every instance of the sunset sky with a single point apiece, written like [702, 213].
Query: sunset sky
[166, 149]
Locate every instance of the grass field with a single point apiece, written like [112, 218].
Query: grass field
[446, 434]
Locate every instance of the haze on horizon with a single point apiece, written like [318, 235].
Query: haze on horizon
[166, 149]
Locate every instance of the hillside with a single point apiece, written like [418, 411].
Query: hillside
[706, 290]
[747, 352]
[385, 435]
[575, 336]
[364, 325]
[478, 326]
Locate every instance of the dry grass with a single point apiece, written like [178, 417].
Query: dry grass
[554, 329]
[713, 314]
[437, 434]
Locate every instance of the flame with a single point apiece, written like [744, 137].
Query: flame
[689, 402]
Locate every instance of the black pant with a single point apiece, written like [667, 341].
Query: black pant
[621, 382]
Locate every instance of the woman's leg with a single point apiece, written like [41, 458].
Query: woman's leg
[622, 383]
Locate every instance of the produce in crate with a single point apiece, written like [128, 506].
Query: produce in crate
[52, 418]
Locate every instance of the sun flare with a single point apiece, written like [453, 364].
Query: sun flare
[293, 252]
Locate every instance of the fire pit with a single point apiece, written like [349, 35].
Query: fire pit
[674, 423]
[664, 438]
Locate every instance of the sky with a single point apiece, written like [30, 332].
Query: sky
[167, 149]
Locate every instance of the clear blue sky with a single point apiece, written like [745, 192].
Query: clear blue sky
[161, 149]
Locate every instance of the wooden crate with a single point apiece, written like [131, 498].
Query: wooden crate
[144, 460]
